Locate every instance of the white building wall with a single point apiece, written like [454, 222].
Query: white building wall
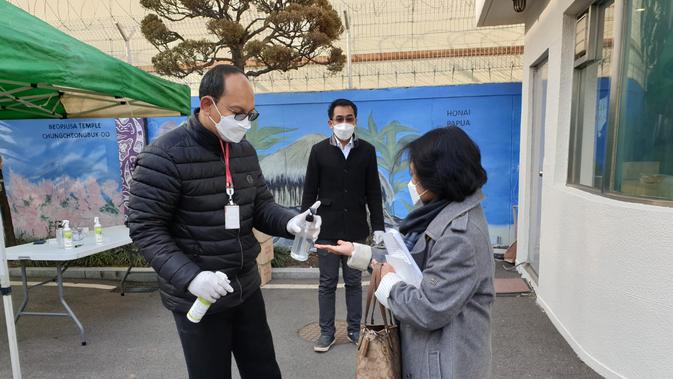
[606, 266]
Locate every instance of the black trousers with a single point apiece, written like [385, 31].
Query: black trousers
[242, 330]
[329, 277]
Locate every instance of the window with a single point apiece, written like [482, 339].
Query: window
[643, 156]
[628, 152]
[593, 60]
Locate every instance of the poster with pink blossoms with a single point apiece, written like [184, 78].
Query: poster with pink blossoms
[61, 169]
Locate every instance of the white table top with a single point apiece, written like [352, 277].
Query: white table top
[114, 236]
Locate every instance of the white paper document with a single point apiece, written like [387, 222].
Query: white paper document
[399, 257]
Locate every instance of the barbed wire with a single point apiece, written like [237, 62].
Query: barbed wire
[409, 33]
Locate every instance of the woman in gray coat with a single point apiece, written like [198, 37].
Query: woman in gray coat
[445, 325]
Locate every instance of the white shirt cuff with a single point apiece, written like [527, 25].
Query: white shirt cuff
[362, 256]
[387, 283]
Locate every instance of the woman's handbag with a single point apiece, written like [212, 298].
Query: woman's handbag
[379, 345]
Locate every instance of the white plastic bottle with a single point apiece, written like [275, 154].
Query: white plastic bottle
[59, 234]
[98, 231]
[67, 235]
[198, 310]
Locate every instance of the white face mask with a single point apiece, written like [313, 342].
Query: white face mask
[230, 129]
[415, 196]
[344, 131]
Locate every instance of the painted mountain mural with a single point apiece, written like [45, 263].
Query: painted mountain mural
[285, 169]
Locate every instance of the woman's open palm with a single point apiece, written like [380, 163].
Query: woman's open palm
[341, 248]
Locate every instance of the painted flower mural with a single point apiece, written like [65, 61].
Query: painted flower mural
[34, 204]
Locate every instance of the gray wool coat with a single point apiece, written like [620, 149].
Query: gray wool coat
[445, 325]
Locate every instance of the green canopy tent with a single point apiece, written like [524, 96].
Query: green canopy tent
[44, 73]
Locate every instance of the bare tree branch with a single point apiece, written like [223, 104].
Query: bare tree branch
[296, 33]
[258, 30]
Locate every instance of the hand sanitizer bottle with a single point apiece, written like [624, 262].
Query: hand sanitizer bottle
[59, 234]
[198, 310]
[302, 243]
[67, 235]
[98, 231]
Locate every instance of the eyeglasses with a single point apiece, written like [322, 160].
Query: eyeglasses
[340, 119]
[252, 116]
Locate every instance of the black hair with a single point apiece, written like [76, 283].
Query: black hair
[341, 103]
[446, 162]
[212, 83]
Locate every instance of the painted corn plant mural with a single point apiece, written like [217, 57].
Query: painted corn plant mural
[285, 169]
[390, 118]
[388, 142]
[266, 138]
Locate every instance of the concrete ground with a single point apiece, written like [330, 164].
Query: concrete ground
[135, 337]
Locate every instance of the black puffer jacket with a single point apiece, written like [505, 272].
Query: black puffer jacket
[176, 213]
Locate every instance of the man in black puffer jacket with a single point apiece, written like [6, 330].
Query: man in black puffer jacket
[181, 190]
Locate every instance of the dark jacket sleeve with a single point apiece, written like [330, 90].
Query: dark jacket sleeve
[311, 181]
[154, 194]
[374, 198]
[269, 217]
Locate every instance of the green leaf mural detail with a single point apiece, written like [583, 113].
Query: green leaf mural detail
[388, 141]
[263, 138]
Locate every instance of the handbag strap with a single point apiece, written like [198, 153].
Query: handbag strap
[371, 297]
[370, 293]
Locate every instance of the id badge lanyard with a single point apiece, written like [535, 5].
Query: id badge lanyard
[231, 211]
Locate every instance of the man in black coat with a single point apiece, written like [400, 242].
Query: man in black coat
[343, 174]
[196, 194]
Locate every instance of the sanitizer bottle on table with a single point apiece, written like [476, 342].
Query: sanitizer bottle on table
[98, 231]
[59, 234]
[67, 235]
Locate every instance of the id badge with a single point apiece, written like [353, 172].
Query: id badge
[232, 217]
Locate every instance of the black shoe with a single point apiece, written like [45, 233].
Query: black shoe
[324, 343]
[354, 337]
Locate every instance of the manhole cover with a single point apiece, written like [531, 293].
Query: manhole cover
[311, 332]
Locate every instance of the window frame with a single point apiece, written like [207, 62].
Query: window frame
[594, 31]
[622, 14]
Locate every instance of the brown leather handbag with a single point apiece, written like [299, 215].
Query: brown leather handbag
[379, 345]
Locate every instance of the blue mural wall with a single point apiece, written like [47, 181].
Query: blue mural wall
[291, 123]
[56, 169]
